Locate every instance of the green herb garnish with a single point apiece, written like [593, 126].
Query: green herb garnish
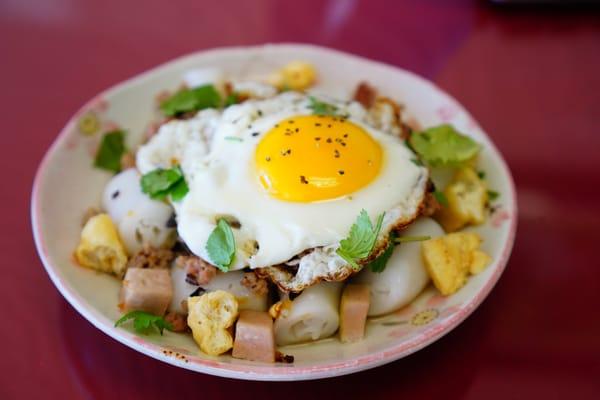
[441, 198]
[379, 264]
[143, 322]
[233, 139]
[221, 245]
[231, 99]
[481, 174]
[110, 151]
[492, 195]
[321, 108]
[162, 182]
[443, 146]
[406, 239]
[191, 100]
[360, 240]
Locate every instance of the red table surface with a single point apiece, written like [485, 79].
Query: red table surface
[531, 78]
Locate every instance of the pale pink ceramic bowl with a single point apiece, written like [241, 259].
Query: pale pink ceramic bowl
[66, 185]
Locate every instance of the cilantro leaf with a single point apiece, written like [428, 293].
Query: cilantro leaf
[179, 190]
[111, 150]
[441, 198]
[492, 195]
[321, 108]
[191, 100]
[162, 182]
[379, 264]
[481, 174]
[231, 99]
[406, 239]
[443, 146]
[221, 245]
[143, 322]
[360, 240]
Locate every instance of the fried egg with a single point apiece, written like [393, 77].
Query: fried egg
[285, 179]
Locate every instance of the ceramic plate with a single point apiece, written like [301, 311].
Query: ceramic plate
[66, 185]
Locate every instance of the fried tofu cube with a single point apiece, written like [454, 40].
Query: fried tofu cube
[254, 337]
[209, 317]
[353, 312]
[467, 197]
[145, 289]
[479, 262]
[450, 258]
[297, 75]
[100, 247]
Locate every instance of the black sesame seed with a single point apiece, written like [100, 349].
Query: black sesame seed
[328, 140]
[268, 159]
[317, 138]
[341, 172]
[329, 125]
[291, 121]
[115, 194]
[259, 113]
[345, 135]
[255, 134]
[317, 124]
[303, 180]
[297, 129]
[336, 153]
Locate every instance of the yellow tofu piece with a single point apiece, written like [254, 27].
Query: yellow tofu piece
[467, 197]
[450, 258]
[297, 75]
[209, 317]
[100, 247]
[479, 262]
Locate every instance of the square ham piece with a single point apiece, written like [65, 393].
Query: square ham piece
[148, 290]
[254, 337]
[353, 312]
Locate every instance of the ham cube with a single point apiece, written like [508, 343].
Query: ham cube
[254, 337]
[353, 312]
[147, 290]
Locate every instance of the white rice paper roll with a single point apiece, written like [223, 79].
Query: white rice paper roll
[139, 219]
[313, 315]
[404, 276]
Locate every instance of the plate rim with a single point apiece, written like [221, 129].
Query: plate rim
[260, 371]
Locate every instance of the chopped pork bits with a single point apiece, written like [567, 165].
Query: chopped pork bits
[198, 271]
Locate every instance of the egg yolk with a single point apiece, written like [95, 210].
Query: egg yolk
[313, 158]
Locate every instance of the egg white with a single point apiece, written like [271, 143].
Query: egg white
[216, 152]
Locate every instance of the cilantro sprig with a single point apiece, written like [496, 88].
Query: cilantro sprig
[406, 239]
[220, 245]
[112, 148]
[191, 100]
[143, 322]
[443, 146]
[492, 195]
[160, 183]
[441, 198]
[378, 265]
[360, 240]
[321, 108]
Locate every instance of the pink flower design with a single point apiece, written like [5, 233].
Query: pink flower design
[110, 126]
[447, 112]
[499, 217]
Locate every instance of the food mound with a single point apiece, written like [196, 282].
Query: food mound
[263, 213]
